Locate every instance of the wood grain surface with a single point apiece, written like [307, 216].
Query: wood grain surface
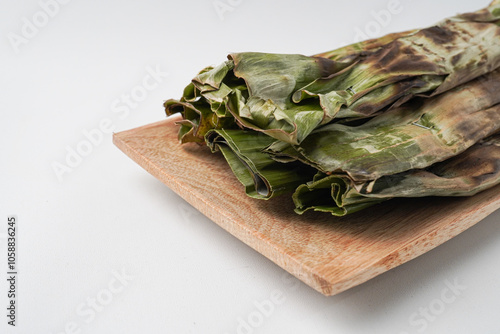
[328, 253]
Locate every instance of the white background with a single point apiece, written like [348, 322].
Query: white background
[184, 274]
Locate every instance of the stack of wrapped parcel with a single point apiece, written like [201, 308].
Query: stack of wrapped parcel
[409, 114]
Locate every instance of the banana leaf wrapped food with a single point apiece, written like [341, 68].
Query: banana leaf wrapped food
[444, 146]
[416, 135]
[288, 96]
[410, 114]
[466, 174]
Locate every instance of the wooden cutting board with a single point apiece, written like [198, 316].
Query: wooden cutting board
[328, 253]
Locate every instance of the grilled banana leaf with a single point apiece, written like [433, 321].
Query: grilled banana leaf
[288, 96]
[466, 174]
[414, 136]
[262, 177]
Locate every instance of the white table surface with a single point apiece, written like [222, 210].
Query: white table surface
[104, 247]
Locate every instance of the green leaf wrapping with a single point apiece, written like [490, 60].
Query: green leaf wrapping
[466, 174]
[288, 96]
[262, 177]
[410, 114]
[416, 135]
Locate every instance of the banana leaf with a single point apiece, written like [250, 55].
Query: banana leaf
[288, 96]
[466, 174]
[262, 177]
[414, 136]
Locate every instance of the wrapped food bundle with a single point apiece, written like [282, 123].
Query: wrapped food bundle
[409, 114]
